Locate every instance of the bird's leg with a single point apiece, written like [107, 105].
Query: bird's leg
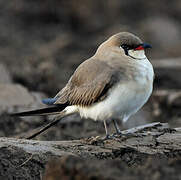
[118, 131]
[121, 133]
[107, 134]
[116, 126]
[126, 133]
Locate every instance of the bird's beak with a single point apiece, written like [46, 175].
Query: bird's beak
[142, 47]
[145, 46]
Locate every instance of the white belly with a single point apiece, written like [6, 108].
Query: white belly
[124, 100]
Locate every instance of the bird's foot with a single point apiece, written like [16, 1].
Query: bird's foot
[128, 135]
[118, 134]
[107, 137]
[98, 140]
[125, 135]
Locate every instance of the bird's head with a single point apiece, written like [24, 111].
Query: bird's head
[130, 45]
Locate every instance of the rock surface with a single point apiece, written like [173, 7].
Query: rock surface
[5, 76]
[14, 95]
[71, 167]
[21, 158]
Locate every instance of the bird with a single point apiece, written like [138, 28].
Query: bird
[110, 86]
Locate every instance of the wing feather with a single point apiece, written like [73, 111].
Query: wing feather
[89, 84]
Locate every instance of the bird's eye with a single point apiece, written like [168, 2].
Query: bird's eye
[124, 46]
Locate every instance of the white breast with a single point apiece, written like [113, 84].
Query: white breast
[125, 99]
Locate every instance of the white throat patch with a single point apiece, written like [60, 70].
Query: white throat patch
[137, 54]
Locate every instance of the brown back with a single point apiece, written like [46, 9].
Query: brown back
[89, 84]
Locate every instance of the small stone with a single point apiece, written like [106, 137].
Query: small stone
[14, 95]
[4, 75]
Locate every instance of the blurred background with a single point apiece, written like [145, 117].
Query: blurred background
[42, 42]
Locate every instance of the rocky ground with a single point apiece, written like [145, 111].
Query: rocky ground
[41, 44]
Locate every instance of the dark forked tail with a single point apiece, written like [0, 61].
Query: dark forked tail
[45, 111]
[44, 128]
[56, 109]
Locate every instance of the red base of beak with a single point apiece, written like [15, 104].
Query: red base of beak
[139, 48]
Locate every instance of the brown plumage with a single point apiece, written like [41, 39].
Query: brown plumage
[98, 78]
[114, 83]
[93, 79]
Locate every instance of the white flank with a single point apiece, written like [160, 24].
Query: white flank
[125, 99]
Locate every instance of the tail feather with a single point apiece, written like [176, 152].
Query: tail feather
[44, 111]
[49, 101]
